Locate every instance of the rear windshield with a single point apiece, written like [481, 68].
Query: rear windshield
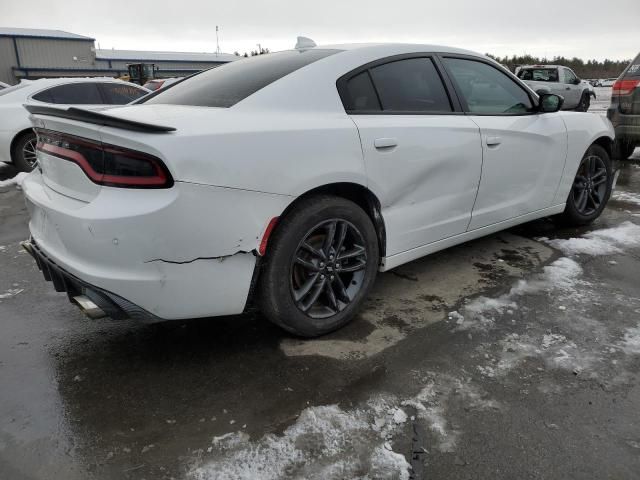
[232, 82]
[539, 74]
[633, 70]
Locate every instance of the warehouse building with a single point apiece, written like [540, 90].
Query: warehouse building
[36, 53]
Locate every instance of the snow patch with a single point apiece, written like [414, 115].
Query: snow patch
[17, 180]
[324, 443]
[561, 276]
[628, 197]
[631, 342]
[599, 242]
[11, 292]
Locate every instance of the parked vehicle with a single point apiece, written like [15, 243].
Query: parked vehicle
[237, 188]
[559, 80]
[4, 85]
[17, 139]
[624, 111]
[608, 82]
[159, 83]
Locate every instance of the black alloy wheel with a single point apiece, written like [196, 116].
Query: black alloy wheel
[328, 268]
[589, 189]
[321, 262]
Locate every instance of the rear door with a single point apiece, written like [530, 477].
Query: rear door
[422, 154]
[523, 151]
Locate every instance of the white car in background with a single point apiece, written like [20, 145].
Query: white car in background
[608, 82]
[4, 85]
[288, 180]
[17, 139]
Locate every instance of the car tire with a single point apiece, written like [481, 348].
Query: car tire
[585, 102]
[291, 268]
[591, 188]
[622, 150]
[23, 153]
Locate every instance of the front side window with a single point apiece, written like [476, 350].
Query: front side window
[232, 82]
[121, 94]
[71, 94]
[569, 76]
[486, 90]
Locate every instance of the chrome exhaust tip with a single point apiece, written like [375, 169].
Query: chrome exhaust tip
[26, 244]
[89, 308]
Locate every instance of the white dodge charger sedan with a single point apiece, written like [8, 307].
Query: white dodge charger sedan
[286, 181]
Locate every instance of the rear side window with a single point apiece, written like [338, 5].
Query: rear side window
[539, 74]
[120, 93]
[72, 94]
[487, 90]
[411, 85]
[232, 82]
[633, 70]
[361, 94]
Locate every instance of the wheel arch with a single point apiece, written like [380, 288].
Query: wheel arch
[358, 194]
[606, 143]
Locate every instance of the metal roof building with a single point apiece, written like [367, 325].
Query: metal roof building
[38, 53]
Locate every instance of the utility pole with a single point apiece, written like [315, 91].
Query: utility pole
[259, 48]
[217, 42]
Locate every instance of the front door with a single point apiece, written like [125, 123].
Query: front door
[523, 151]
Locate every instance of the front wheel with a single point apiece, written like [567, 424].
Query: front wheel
[320, 265]
[585, 102]
[591, 188]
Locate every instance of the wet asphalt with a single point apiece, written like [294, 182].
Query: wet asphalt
[105, 399]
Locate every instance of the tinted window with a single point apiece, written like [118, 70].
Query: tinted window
[569, 76]
[72, 93]
[232, 82]
[486, 89]
[539, 74]
[410, 85]
[121, 93]
[633, 70]
[361, 94]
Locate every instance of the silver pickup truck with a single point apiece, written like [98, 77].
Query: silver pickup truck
[559, 80]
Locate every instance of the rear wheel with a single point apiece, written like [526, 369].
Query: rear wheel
[24, 152]
[591, 188]
[585, 102]
[321, 263]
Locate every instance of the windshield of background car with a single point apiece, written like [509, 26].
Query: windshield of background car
[539, 74]
[232, 82]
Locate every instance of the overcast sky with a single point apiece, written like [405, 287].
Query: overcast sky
[583, 28]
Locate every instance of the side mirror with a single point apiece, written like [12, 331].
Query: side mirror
[577, 81]
[550, 103]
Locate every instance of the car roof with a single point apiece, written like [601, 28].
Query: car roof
[385, 47]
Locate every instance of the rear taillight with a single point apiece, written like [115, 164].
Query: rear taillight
[106, 164]
[624, 87]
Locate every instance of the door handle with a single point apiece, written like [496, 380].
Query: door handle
[493, 141]
[568, 88]
[385, 142]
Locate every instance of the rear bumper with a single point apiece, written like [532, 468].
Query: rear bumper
[111, 304]
[184, 252]
[627, 127]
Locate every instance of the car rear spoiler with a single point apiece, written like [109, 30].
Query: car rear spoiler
[89, 116]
